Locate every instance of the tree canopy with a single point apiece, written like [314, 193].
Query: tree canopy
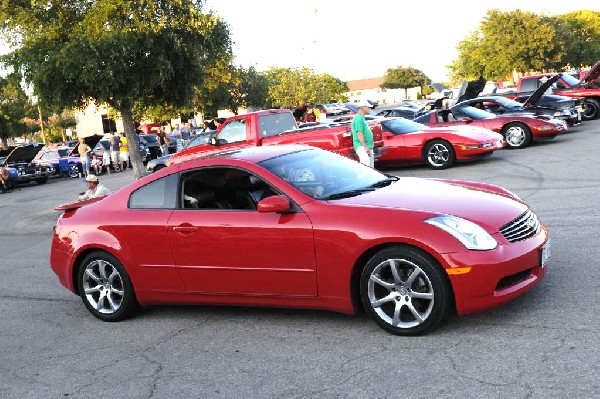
[297, 87]
[527, 42]
[117, 52]
[14, 106]
[404, 78]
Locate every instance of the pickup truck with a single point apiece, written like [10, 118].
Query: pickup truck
[278, 126]
[588, 88]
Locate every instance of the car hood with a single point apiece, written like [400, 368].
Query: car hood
[535, 96]
[592, 73]
[23, 154]
[471, 89]
[486, 208]
[91, 141]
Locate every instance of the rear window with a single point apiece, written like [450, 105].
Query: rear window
[150, 138]
[529, 84]
[273, 124]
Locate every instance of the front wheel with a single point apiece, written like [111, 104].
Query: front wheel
[517, 135]
[439, 154]
[105, 287]
[405, 291]
[73, 170]
[591, 109]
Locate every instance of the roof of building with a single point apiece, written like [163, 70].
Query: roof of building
[364, 84]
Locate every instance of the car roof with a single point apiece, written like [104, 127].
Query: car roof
[257, 154]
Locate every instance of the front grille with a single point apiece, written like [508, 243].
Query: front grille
[513, 279]
[525, 226]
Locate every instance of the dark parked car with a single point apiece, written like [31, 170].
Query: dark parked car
[21, 159]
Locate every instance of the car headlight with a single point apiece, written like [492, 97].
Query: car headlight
[468, 233]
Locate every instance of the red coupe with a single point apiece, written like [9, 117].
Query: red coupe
[411, 142]
[297, 226]
[518, 129]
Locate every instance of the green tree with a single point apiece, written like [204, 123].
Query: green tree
[469, 64]
[57, 125]
[404, 78]
[290, 88]
[116, 52]
[516, 40]
[14, 107]
[579, 38]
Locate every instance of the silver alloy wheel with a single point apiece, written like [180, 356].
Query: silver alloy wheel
[438, 155]
[515, 136]
[103, 286]
[400, 293]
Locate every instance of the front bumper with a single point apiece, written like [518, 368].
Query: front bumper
[496, 276]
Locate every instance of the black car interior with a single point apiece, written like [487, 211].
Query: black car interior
[223, 188]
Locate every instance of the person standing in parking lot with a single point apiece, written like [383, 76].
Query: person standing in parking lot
[163, 140]
[362, 136]
[115, 149]
[84, 151]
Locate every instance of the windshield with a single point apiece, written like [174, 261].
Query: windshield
[472, 112]
[401, 126]
[570, 80]
[323, 174]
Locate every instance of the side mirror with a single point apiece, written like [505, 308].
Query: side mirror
[387, 135]
[213, 140]
[466, 120]
[274, 204]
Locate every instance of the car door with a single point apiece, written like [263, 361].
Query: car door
[145, 223]
[221, 248]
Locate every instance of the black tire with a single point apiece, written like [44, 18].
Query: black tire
[439, 154]
[591, 109]
[110, 295]
[418, 287]
[517, 135]
[43, 180]
[74, 170]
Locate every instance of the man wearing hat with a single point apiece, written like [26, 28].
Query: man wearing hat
[362, 136]
[94, 188]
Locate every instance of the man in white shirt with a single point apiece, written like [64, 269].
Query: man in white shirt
[94, 189]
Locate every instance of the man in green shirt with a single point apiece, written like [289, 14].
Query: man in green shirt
[362, 136]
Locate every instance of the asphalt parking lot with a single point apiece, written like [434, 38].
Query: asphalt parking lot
[544, 344]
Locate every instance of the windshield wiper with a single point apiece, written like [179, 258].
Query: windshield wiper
[348, 194]
[385, 182]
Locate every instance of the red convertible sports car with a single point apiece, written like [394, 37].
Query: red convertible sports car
[411, 142]
[518, 130]
[297, 226]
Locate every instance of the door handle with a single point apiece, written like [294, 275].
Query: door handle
[185, 229]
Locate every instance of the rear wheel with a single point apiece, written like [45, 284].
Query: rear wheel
[105, 287]
[591, 108]
[517, 135]
[404, 291]
[439, 154]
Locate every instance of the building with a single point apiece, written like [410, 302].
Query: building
[370, 89]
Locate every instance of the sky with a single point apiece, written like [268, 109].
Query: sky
[353, 40]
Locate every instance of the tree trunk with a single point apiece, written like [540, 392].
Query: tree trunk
[135, 157]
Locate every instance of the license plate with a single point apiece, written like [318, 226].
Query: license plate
[545, 253]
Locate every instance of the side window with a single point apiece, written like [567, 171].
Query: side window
[222, 189]
[272, 125]
[234, 131]
[159, 194]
